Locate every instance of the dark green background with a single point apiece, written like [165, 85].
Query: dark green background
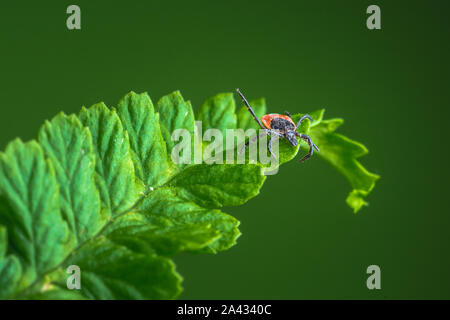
[299, 240]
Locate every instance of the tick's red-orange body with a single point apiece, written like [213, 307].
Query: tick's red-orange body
[268, 120]
[278, 125]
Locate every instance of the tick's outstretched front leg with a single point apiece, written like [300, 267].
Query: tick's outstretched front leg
[311, 144]
[250, 108]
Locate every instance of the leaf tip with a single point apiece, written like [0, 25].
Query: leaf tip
[355, 200]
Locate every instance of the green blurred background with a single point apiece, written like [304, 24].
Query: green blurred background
[299, 240]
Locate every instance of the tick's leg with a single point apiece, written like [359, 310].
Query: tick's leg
[250, 108]
[311, 144]
[306, 116]
[288, 114]
[253, 139]
[269, 146]
[274, 133]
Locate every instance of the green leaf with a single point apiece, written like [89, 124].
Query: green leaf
[175, 113]
[215, 186]
[119, 273]
[119, 189]
[56, 293]
[342, 153]
[29, 205]
[10, 268]
[69, 145]
[165, 207]
[218, 112]
[142, 124]
[185, 206]
[161, 235]
[100, 191]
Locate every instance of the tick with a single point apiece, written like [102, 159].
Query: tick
[278, 125]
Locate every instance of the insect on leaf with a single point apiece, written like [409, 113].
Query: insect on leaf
[99, 190]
